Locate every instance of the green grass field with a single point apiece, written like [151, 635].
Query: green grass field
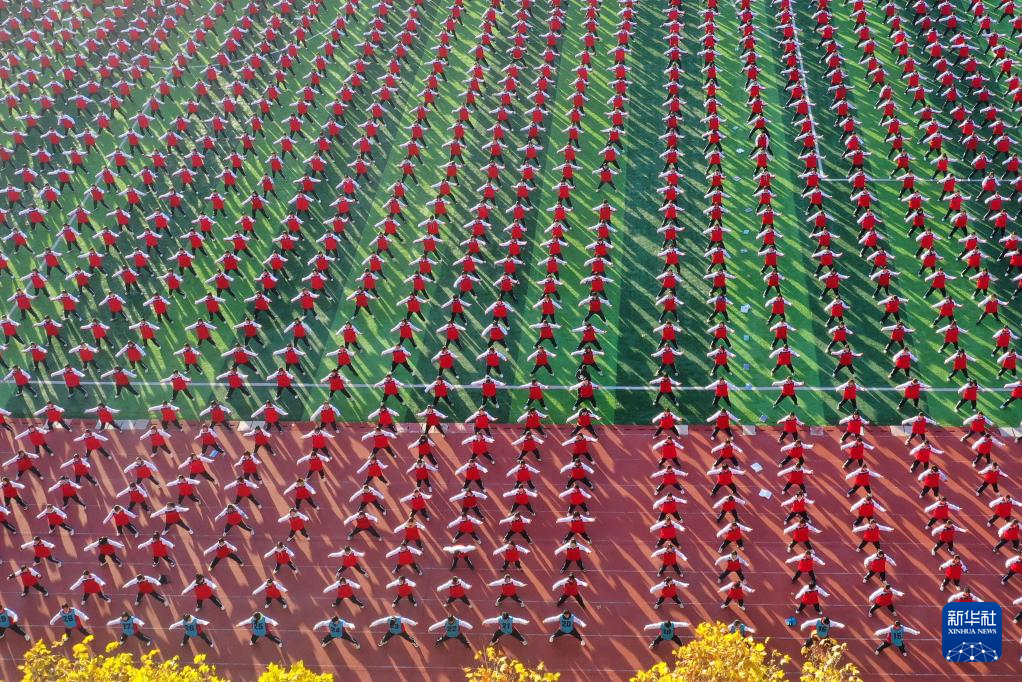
[627, 366]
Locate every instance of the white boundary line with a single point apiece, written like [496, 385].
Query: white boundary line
[805, 86]
[918, 180]
[812, 125]
[553, 387]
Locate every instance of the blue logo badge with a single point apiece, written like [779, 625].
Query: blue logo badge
[971, 632]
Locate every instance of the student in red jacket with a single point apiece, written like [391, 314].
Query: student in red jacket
[282, 556]
[41, 551]
[25, 462]
[12, 491]
[243, 491]
[160, 549]
[249, 465]
[234, 516]
[991, 478]
[273, 592]
[363, 523]
[68, 491]
[570, 589]
[303, 493]
[106, 549]
[296, 524]
[29, 579]
[204, 590]
[5, 515]
[221, 550]
[405, 555]
[55, 518]
[735, 592]
[173, 515]
[122, 518]
[147, 586]
[316, 465]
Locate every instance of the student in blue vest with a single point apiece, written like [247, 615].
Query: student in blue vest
[667, 631]
[193, 627]
[821, 629]
[395, 628]
[72, 619]
[130, 627]
[9, 621]
[259, 626]
[452, 627]
[336, 629]
[506, 625]
[742, 629]
[567, 624]
[894, 636]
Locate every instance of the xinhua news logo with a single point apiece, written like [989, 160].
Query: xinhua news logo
[971, 632]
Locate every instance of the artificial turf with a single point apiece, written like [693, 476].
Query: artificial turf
[629, 339]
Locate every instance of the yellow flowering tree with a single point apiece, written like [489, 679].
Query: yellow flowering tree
[824, 662]
[718, 655]
[45, 663]
[493, 666]
[296, 673]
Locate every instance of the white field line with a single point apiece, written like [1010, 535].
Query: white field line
[918, 180]
[805, 86]
[812, 126]
[552, 387]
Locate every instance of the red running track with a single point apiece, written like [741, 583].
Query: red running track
[620, 572]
